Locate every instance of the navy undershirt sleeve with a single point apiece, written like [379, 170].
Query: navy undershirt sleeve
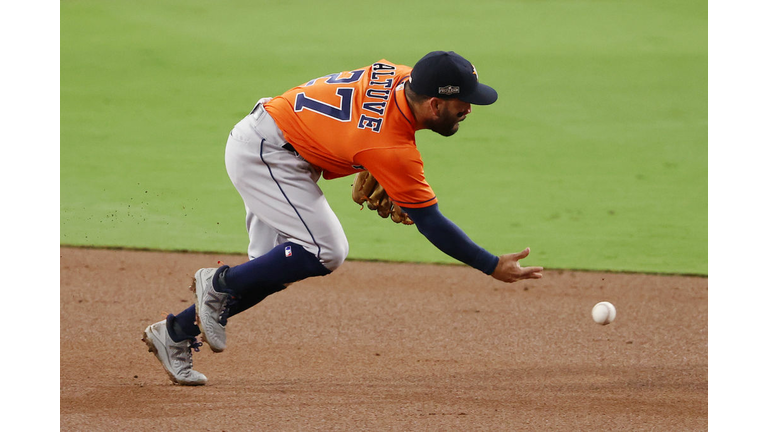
[450, 239]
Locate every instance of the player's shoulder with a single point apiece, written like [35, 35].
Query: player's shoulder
[386, 64]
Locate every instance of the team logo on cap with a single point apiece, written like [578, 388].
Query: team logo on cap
[448, 90]
[474, 72]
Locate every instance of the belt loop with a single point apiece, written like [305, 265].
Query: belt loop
[260, 103]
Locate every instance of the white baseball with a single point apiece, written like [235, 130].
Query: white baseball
[604, 313]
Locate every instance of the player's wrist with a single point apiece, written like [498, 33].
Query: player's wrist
[486, 262]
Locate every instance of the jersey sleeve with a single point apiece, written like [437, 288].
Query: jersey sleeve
[450, 239]
[401, 172]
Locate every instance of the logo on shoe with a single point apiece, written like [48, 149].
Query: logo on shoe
[179, 356]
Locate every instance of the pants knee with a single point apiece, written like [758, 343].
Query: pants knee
[333, 257]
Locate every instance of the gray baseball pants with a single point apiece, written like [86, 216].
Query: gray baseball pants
[279, 188]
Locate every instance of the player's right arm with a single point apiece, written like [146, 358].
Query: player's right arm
[401, 173]
[452, 241]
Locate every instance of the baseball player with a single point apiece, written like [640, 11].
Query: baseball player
[358, 121]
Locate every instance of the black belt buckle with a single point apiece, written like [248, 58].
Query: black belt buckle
[290, 148]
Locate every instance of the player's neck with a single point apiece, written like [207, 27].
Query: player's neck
[417, 111]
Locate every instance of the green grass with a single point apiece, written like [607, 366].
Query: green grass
[595, 155]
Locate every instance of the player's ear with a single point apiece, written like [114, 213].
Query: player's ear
[434, 106]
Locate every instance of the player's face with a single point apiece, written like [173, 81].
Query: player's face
[449, 113]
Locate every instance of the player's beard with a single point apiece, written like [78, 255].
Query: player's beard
[447, 124]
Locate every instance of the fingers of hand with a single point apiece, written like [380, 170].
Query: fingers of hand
[527, 270]
[533, 275]
[520, 277]
[509, 269]
[523, 254]
[531, 272]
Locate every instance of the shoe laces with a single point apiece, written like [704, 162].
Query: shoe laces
[228, 303]
[194, 344]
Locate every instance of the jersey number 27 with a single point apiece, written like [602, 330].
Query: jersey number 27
[343, 111]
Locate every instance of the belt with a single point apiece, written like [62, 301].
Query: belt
[257, 112]
[290, 148]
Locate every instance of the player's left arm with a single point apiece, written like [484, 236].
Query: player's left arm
[452, 241]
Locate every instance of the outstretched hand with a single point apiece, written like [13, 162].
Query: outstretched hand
[509, 270]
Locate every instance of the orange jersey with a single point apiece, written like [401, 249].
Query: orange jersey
[356, 120]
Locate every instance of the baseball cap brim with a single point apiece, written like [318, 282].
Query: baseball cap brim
[483, 95]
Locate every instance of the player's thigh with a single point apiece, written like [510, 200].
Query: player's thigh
[280, 189]
[262, 237]
[297, 208]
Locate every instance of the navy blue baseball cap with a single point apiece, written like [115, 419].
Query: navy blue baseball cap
[445, 74]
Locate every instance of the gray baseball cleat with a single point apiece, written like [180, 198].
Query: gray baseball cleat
[176, 357]
[211, 308]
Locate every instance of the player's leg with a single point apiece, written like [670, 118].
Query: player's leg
[280, 189]
[263, 238]
[174, 338]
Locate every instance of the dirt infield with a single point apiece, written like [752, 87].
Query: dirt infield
[377, 346]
